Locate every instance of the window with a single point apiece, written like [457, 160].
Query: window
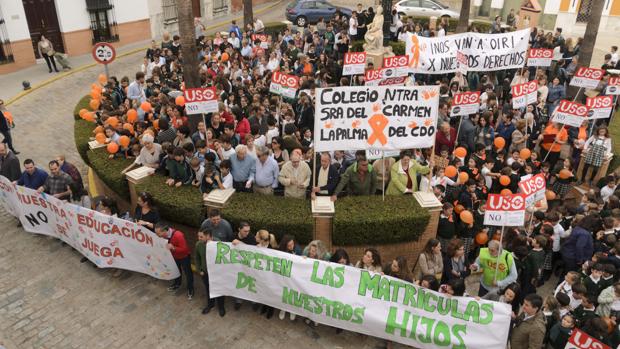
[308, 5]
[585, 9]
[102, 21]
[412, 3]
[220, 6]
[6, 54]
[429, 4]
[170, 11]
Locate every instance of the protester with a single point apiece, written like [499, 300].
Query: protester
[200, 254]
[181, 254]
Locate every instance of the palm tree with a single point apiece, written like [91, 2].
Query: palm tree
[464, 17]
[248, 14]
[189, 50]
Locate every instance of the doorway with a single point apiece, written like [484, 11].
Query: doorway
[43, 20]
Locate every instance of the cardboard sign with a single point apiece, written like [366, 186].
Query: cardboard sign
[533, 188]
[600, 107]
[284, 85]
[379, 117]
[395, 66]
[397, 81]
[539, 57]
[201, 100]
[505, 210]
[354, 63]
[461, 60]
[587, 77]
[524, 94]
[613, 86]
[581, 340]
[465, 103]
[570, 113]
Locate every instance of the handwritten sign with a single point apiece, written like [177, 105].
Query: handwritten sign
[524, 94]
[587, 77]
[465, 103]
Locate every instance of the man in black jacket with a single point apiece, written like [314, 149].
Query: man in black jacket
[326, 178]
[9, 164]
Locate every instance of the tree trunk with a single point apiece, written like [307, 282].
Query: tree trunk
[189, 52]
[248, 14]
[589, 39]
[464, 17]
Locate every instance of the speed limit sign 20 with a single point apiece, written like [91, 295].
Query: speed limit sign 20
[104, 53]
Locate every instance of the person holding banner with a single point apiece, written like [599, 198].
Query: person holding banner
[57, 183]
[200, 254]
[404, 175]
[181, 254]
[495, 276]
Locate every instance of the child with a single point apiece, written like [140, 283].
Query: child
[227, 147]
[537, 256]
[225, 175]
[201, 151]
[272, 129]
[586, 310]
[307, 141]
[564, 302]
[200, 253]
[198, 172]
[570, 279]
[561, 331]
[487, 172]
[551, 310]
[562, 184]
[211, 180]
[179, 170]
[593, 282]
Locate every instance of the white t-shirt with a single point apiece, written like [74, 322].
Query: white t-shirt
[352, 26]
[488, 180]
[227, 181]
[606, 192]
[272, 133]
[558, 232]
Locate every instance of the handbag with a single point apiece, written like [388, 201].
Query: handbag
[51, 52]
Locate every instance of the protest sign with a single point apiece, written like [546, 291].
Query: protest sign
[524, 94]
[387, 81]
[461, 60]
[613, 86]
[505, 210]
[355, 299]
[570, 113]
[374, 154]
[354, 63]
[380, 117]
[539, 57]
[395, 66]
[107, 241]
[533, 188]
[484, 52]
[373, 77]
[201, 100]
[263, 38]
[587, 77]
[465, 103]
[283, 84]
[581, 340]
[599, 107]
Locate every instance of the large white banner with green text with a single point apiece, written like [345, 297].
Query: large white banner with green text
[355, 299]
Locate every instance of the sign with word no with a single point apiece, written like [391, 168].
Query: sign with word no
[505, 210]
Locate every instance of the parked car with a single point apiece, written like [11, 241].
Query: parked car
[302, 12]
[424, 8]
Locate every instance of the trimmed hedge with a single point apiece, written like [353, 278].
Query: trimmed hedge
[109, 171]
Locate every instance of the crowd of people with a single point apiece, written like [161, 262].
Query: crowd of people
[261, 143]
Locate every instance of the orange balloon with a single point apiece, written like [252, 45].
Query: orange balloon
[564, 174]
[482, 238]
[505, 192]
[102, 79]
[225, 57]
[82, 112]
[504, 180]
[525, 153]
[95, 94]
[463, 177]
[89, 117]
[112, 121]
[180, 101]
[124, 141]
[466, 217]
[156, 124]
[100, 138]
[95, 86]
[112, 148]
[94, 104]
[499, 142]
[132, 115]
[450, 171]
[550, 195]
[460, 152]
[129, 127]
[458, 208]
[98, 129]
[146, 106]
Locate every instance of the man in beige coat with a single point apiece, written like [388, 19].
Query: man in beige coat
[295, 177]
[529, 330]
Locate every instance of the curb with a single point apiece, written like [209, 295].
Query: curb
[125, 54]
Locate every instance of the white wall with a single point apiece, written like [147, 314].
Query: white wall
[552, 7]
[72, 15]
[130, 10]
[15, 18]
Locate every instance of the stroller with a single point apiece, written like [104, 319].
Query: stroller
[62, 59]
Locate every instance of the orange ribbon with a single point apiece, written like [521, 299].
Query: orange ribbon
[377, 123]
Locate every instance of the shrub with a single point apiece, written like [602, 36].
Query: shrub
[82, 131]
[109, 171]
[275, 28]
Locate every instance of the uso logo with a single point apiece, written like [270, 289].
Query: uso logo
[467, 98]
[497, 202]
[589, 73]
[540, 53]
[285, 80]
[374, 74]
[395, 62]
[355, 58]
[599, 102]
[572, 108]
[524, 89]
[614, 81]
[200, 94]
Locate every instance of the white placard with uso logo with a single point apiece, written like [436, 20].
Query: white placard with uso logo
[201, 100]
[465, 103]
[570, 113]
[373, 77]
[599, 107]
[539, 57]
[613, 86]
[587, 77]
[524, 94]
[354, 63]
[533, 188]
[395, 66]
[581, 340]
[284, 85]
[505, 210]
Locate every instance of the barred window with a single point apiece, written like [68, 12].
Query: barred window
[170, 11]
[6, 54]
[102, 21]
[584, 12]
[220, 6]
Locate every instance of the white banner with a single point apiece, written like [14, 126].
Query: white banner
[107, 241]
[539, 57]
[379, 117]
[505, 210]
[354, 63]
[485, 52]
[587, 77]
[533, 188]
[356, 299]
[570, 113]
[465, 103]
[600, 107]
[284, 85]
[613, 86]
[201, 100]
[524, 94]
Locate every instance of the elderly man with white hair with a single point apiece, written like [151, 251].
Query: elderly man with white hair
[243, 168]
[267, 171]
[493, 276]
[295, 177]
[149, 154]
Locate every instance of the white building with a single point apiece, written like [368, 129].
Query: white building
[73, 26]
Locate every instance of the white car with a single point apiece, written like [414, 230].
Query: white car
[424, 8]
